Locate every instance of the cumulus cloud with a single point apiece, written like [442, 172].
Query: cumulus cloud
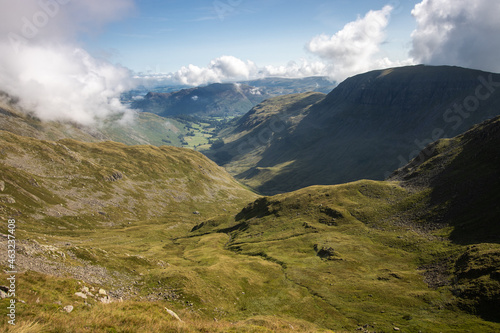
[218, 70]
[42, 65]
[353, 49]
[229, 68]
[293, 69]
[457, 32]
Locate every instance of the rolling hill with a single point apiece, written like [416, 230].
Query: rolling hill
[366, 127]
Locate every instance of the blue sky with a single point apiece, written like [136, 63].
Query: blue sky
[163, 36]
[72, 59]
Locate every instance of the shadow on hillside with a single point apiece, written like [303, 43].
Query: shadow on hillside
[470, 188]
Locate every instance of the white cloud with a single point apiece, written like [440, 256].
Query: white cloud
[457, 32]
[218, 70]
[229, 68]
[352, 50]
[294, 70]
[47, 71]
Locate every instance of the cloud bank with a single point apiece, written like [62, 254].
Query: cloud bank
[42, 65]
[457, 32]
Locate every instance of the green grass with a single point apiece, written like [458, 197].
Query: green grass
[324, 258]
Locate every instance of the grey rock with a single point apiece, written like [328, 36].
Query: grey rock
[82, 295]
[68, 308]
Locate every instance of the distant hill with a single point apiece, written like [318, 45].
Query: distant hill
[226, 99]
[366, 127]
[281, 86]
[218, 99]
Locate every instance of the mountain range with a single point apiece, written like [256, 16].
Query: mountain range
[117, 238]
[225, 99]
[366, 127]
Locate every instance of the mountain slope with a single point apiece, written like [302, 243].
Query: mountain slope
[107, 181]
[143, 128]
[218, 99]
[370, 125]
[361, 247]
[165, 227]
[248, 138]
[464, 175]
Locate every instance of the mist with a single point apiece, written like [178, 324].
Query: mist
[44, 66]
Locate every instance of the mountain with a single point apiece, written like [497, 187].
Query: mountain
[364, 246]
[68, 182]
[126, 235]
[366, 127]
[283, 86]
[218, 99]
[225, 99]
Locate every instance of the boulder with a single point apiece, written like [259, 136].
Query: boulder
[105, 300]
[82, 295]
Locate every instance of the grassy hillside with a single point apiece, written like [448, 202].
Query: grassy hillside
[366, 127]
[143, 128]
[247, 139]
[166, 228]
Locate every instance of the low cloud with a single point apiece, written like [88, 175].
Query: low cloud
[218, 70]
[457, 32]
[229, 68]
[44, 67]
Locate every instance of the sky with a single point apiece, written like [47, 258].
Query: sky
[71, 59]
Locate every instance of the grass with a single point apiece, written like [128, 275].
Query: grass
[258, 272]
[324, 258]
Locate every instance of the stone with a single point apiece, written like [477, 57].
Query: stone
[68, 308]
[173, 314]
[82, 295]
[3, 294]
[102, 292]
[397, 329]
[196, 212]
[2, 186]
[105, 300]
[85, 290]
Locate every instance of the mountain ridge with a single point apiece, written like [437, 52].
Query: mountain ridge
[369, 125]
